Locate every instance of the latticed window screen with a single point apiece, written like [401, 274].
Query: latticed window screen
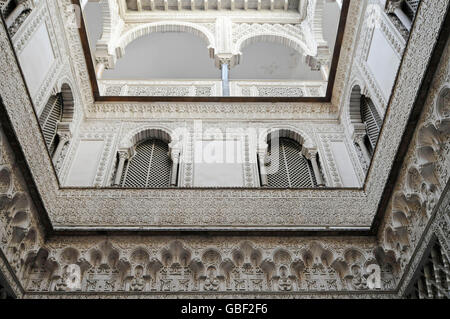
[294, 170]
[49, 119]
[433, 278]
[372, 119]
[410, 8]
[149, 167]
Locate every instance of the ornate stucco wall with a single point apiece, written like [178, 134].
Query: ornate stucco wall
[35, 258]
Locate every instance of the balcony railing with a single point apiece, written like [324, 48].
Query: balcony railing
[250, 88]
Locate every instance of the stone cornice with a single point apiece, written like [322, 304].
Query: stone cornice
[205, 110]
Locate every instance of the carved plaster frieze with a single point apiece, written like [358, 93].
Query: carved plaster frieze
[204, 110]
[160, 88]
[422, 188]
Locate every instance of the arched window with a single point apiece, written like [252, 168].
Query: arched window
[150, 166]
[363, 111]
[293, 169]
[49, 119]
[55, 121]
[370, 117]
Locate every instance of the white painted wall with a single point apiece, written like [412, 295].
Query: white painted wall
[85, 163]
[344, 164]
[37, 58]
[83, 4]
[383, 62]
[218, 163]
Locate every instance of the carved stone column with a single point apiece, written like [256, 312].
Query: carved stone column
[422, 293]
[312, 156]
[359, 139]
[325, 70]
[436, 270]
[139, 5]
[123, 155]
[262, 159]
[175, 155]
[99, 69]
[225, 67]
[64, 137]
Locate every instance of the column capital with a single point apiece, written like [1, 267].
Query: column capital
[108, 60]
[359, 138]
[358, 131]
[64, 136]
[262, 149]
[63, 131]
[124, 154]
[310, 154]
[175, 154]
[392, 5]
[225, 58]
[262, 154]
[225, 61]
[322, 58]
[313, 62]
[263, 146]
[63, 126]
